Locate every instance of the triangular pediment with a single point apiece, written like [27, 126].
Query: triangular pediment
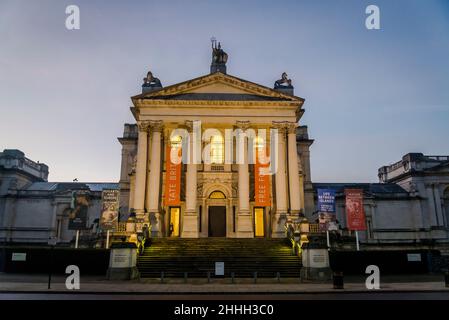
[217, 86]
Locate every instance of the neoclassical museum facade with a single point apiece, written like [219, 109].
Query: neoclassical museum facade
[219, 192]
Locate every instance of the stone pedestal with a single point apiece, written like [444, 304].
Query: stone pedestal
[244, 226]
[190, 228]
[155, 222]
[315, 261]
[123, 261]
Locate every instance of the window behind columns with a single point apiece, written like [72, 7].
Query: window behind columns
[217, 149]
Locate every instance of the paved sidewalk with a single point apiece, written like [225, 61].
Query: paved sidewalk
[38, 283]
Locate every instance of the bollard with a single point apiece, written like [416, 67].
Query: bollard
[446, 279]
[208, 277]
[278, 276]
[185, 277]
[338, 280]
[162, 277]
[255, 277]
[232, 277]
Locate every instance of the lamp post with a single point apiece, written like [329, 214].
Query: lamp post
[51, 242]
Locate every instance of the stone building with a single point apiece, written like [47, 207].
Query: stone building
[217, 194]
[32, 210]
[217, 191]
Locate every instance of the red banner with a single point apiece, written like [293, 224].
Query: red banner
[172, 178]
[261, 183]
[355, 215]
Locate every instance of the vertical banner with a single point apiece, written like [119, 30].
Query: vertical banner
[355, 215]
[326, 208]
[261, 181]
[78, 214]
[110, 200]
[326, 200]
[173, 177]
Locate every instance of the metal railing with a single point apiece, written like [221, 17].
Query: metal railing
[121, 227]
[315, 228]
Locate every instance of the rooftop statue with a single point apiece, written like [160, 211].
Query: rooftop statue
[218, 55]
[285, 82]
[150, 81]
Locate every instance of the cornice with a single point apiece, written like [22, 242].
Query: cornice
[217, 78]
[189, 103]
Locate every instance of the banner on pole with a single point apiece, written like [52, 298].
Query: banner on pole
[355, 215]
[326, 200]
[261, 181]
[78, 213]
[110, 199]
[173, 176]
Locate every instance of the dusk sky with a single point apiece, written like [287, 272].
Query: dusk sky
[371, 95]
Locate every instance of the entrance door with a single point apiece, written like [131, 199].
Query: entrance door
[174, 222]
[217, 221]
[259, 227]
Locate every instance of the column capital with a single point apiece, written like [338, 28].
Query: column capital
[242, 124]
[143, 126]
[291, 127]
[156, 125]
[189, 125]
[281, 126]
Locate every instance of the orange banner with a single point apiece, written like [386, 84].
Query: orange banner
[172, 178]
[261, 184]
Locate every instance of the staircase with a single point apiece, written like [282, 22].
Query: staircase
[174, 256]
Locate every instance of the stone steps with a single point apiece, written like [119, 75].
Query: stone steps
[197, 257]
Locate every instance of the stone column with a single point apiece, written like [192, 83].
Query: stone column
[293, 173]
[432, 214]
[155, 177]
[141, 168]
[438, 206]
[190, 226]
[244, 221]
[280, 215]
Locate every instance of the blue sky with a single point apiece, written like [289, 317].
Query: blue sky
[371, 95]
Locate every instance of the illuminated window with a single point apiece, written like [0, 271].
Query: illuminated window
[176, 141]
[217, 149]
[217, 195]
[259, 150]
[259, 143]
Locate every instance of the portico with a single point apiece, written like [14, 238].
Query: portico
[218, 123]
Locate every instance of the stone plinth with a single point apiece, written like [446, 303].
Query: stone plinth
[123, 261]
[315, 261]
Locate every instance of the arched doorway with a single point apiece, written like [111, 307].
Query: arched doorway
[217, 214]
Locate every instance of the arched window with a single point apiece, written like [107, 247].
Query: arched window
[176, 142]
[217, 195]
[217, 149]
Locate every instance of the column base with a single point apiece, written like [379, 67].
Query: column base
[244, 225]
[190, 226]
[141, 214]
[295, 214]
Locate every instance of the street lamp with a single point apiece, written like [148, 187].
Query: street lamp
[51, 242]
